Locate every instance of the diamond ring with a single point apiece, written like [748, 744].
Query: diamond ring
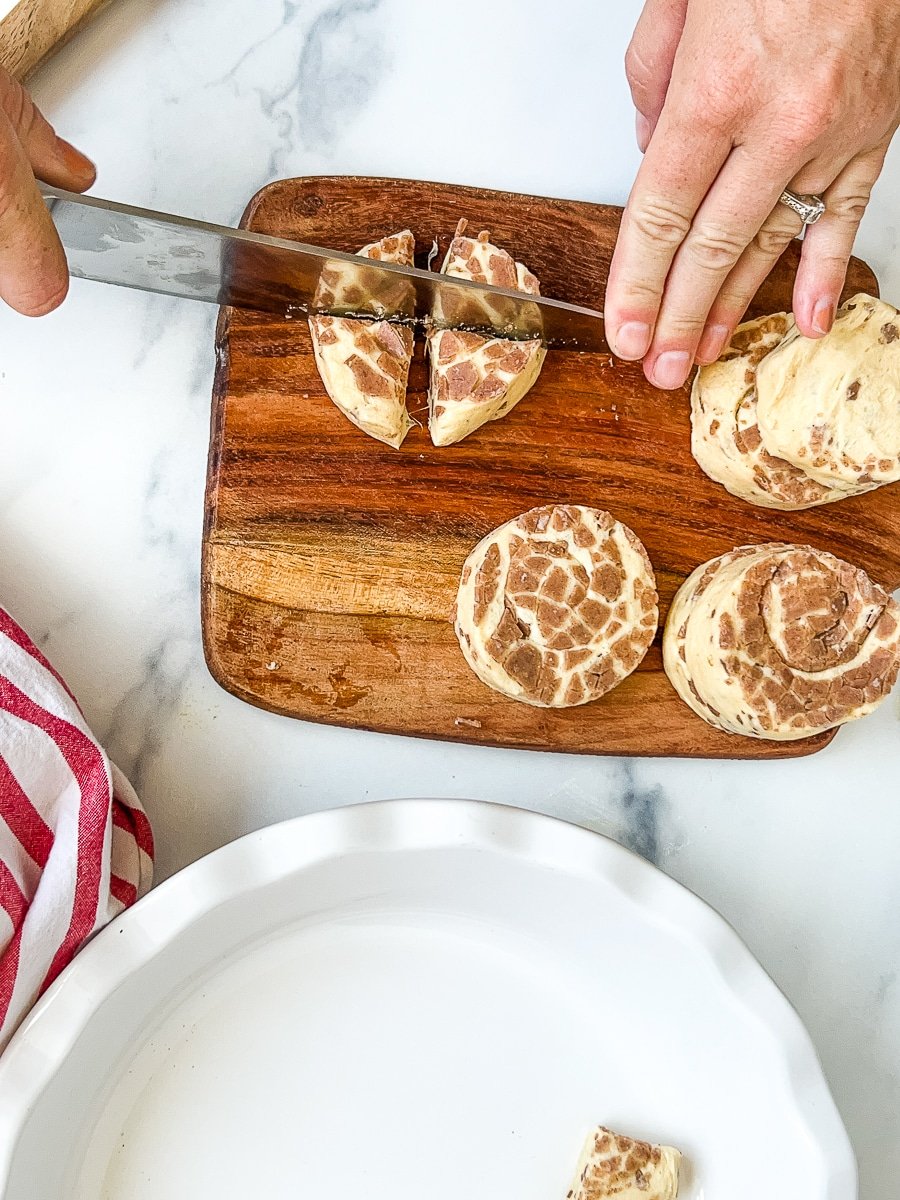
[808, 208]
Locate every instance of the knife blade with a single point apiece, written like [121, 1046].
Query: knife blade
[175, 256]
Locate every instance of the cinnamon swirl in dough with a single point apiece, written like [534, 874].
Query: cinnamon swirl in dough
[557, 607]
[614, 1167]
[781, 642]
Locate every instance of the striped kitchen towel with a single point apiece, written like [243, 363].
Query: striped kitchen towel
[75, 846]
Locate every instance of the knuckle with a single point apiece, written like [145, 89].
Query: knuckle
[715, 102]
[636, 294]
[851, 208]
[660, 223]
[11, 206]
[636, 70]
[681, 328]
[804, 122]
[715, 249]
[773, 240]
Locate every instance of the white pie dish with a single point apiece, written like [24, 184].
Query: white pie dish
[413, 997]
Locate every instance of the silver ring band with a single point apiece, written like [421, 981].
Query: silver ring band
[808, 208]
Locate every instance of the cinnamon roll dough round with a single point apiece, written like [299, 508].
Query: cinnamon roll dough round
[781, 642]
[557, 607]
[725, 434]
[476, 379]
[364, 365]
[832, 407]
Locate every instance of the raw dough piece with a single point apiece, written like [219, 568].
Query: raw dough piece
[726, 440]
[475, 379]
[557, 607]
[832, 407]
[613, 1167]
[364, 365]
[781, 642]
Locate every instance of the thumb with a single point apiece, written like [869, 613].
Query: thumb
[649, 61]
[33, 272]
[52, 159]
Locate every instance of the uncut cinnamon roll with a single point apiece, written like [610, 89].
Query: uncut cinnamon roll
[725, 436]
[557, 607]
[781, 642]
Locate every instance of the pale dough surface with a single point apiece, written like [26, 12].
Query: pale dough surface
[832, 407]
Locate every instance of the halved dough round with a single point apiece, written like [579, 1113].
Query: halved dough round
[364, 365]
[832, 407]
[781, 642]
[725, 436]
[614, 1167]
[557, 607]
[476, 379]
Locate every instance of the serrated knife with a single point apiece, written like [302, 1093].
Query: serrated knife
[157, 252]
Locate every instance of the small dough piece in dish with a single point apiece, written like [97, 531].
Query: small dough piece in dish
[364, 365]
[557, 607]
[614, 1167]
[476, 379]
[832, 406]
[781, 642]
[725, 436]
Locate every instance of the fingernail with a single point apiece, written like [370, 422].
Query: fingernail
[823, 316]
[642, 128]
[712, 343]
[632, 340]
[76, 163]
[671, 369]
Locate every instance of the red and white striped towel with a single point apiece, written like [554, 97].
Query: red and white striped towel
[75, 846]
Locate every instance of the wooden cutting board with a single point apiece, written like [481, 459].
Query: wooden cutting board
[331, 562]
[31, 30]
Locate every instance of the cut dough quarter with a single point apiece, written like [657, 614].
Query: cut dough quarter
[557, 607]
[832, 406]
[781, 642]
[476, 379]
[725, 435]
[614, 1167]
[364, 365]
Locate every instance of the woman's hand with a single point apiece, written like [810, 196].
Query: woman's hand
[33, 274]
[736, 102]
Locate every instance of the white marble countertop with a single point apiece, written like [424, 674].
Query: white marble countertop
[190, 106]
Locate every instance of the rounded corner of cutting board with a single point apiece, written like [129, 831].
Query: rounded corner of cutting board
[257, 509]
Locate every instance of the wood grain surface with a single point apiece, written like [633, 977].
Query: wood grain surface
[34, 29]
[331, 562]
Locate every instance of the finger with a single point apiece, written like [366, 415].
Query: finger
[745, 280]
[828, 244]
[53, 160]
[680, 165]
[649, 61]
[33, 273]
[736, 208]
